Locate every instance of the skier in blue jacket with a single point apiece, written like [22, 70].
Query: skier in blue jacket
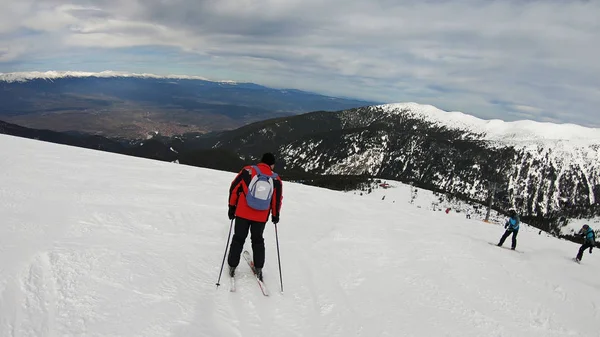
[512, 227]
[589, 240]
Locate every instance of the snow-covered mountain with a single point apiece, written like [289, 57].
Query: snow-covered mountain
[53, 75]
[540, 168]
[550, 163]
[546, 171]
[99, 244]
[525, 132]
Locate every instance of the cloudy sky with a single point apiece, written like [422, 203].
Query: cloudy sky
[504, 59]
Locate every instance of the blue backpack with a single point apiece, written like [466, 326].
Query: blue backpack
[590, 236]
[260, 190]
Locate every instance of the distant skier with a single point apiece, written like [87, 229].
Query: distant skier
[254, 193]
[589, 241]
[512, 227]
[468, 214]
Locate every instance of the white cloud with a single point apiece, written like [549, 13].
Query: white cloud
[527, 108]
[10, 52]
[539, 57]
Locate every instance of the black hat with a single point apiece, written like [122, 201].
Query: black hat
[268, 158]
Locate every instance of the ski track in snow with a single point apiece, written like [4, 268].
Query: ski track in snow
[97, 244]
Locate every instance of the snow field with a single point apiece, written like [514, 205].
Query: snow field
[98, 244]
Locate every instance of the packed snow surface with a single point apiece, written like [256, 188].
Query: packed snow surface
[99, 244]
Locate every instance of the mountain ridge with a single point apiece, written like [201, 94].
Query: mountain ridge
[25, 76]
[135, 105]
[497, 129]
[547, 180]
[537, 176]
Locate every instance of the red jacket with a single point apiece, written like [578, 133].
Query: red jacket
[239, 188]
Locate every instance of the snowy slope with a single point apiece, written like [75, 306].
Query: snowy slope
[499, 130]
[542, 168]
[97, 244]
[569, 154]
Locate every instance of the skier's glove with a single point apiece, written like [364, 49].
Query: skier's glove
[275, 219]
[231, 212]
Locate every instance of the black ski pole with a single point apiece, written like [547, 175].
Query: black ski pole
[278, 257]
[225, 254]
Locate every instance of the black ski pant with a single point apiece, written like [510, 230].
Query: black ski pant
[582, 249]
[256, 229]
[505, 236]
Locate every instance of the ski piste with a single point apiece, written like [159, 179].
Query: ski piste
[261, 284]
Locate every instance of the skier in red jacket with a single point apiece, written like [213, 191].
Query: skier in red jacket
[254, 193]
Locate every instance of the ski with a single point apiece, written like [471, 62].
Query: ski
[514, 250]
[232, 284]
[261, 284]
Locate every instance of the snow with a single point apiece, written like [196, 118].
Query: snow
[52, 75]
[100, 244]
[571, 152]
[574, 225]
[498, 130]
